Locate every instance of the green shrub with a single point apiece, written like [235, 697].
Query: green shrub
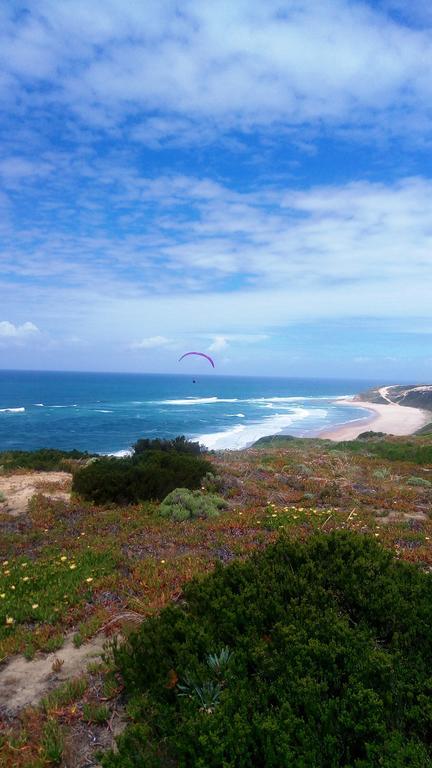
[52, 744]
[325, 663]
[95, 713]
[44, 459]
[393, 451]
[382, 473]
[178, 445]
[370, 435]
[182, 504]
[420, 481]
[138, 478]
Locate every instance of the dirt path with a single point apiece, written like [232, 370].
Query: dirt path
[23, 683]
[17, 490]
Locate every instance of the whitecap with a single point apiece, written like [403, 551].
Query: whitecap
[199, 401]
[12, 410]
[243, 435]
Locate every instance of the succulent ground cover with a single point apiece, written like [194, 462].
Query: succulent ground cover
[130, 562]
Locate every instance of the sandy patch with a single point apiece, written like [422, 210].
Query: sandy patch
[23, 683]
[393, 419]
[19, 489]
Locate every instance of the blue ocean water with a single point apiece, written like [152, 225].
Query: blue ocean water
[108, 412]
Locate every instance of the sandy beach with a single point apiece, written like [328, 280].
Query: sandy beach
[393, 419]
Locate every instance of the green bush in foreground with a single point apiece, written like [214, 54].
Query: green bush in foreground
[307, 655]
[183, 504]
[130, 480]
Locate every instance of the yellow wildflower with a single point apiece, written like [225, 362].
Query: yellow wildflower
[162, 561]
[274, 514]
[24, 565]
[72, 566]
[6, 573]
[12, 586]
[25, 578]
[35, 605]
[63, 558]
[9, 620]
[90, 578]
[5, 562]
[3, 595]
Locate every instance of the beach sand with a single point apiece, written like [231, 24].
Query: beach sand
[393, 419]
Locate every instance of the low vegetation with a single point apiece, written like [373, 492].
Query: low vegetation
[44, 459]
[131, 563]
[183, 504]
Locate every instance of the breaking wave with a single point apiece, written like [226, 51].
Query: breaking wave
[244, 435]
[200, 401]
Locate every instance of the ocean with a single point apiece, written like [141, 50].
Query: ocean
[107, 412]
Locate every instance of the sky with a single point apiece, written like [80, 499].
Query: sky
[251, 179]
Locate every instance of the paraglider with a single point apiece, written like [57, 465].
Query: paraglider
[200, 354]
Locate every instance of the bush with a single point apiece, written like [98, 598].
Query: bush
[44, 459]
[420, 481]
[177, 445]
[370, 435]
[133, 479]
[326, 651]
[183, 504]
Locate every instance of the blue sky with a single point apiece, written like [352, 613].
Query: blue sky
[251, 179]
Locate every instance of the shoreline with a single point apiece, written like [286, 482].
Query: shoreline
[391, 418]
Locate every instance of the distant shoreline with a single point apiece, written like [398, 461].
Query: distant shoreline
[390, 418]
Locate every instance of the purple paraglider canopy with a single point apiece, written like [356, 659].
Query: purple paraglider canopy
[200, 354]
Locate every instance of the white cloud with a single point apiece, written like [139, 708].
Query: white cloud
[213, 66]
[10, 331]
[360, 242]
[152, 342]
[218, 344]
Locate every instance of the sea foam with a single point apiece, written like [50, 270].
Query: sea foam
[244, 435]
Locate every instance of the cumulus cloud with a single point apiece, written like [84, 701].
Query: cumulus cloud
[218, 344]
[152, 342]
[10, 331]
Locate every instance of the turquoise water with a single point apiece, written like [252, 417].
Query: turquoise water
[107, 413]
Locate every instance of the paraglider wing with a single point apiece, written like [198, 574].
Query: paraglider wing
[200, 354]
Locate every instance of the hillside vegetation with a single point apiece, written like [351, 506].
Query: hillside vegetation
[72, 568]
